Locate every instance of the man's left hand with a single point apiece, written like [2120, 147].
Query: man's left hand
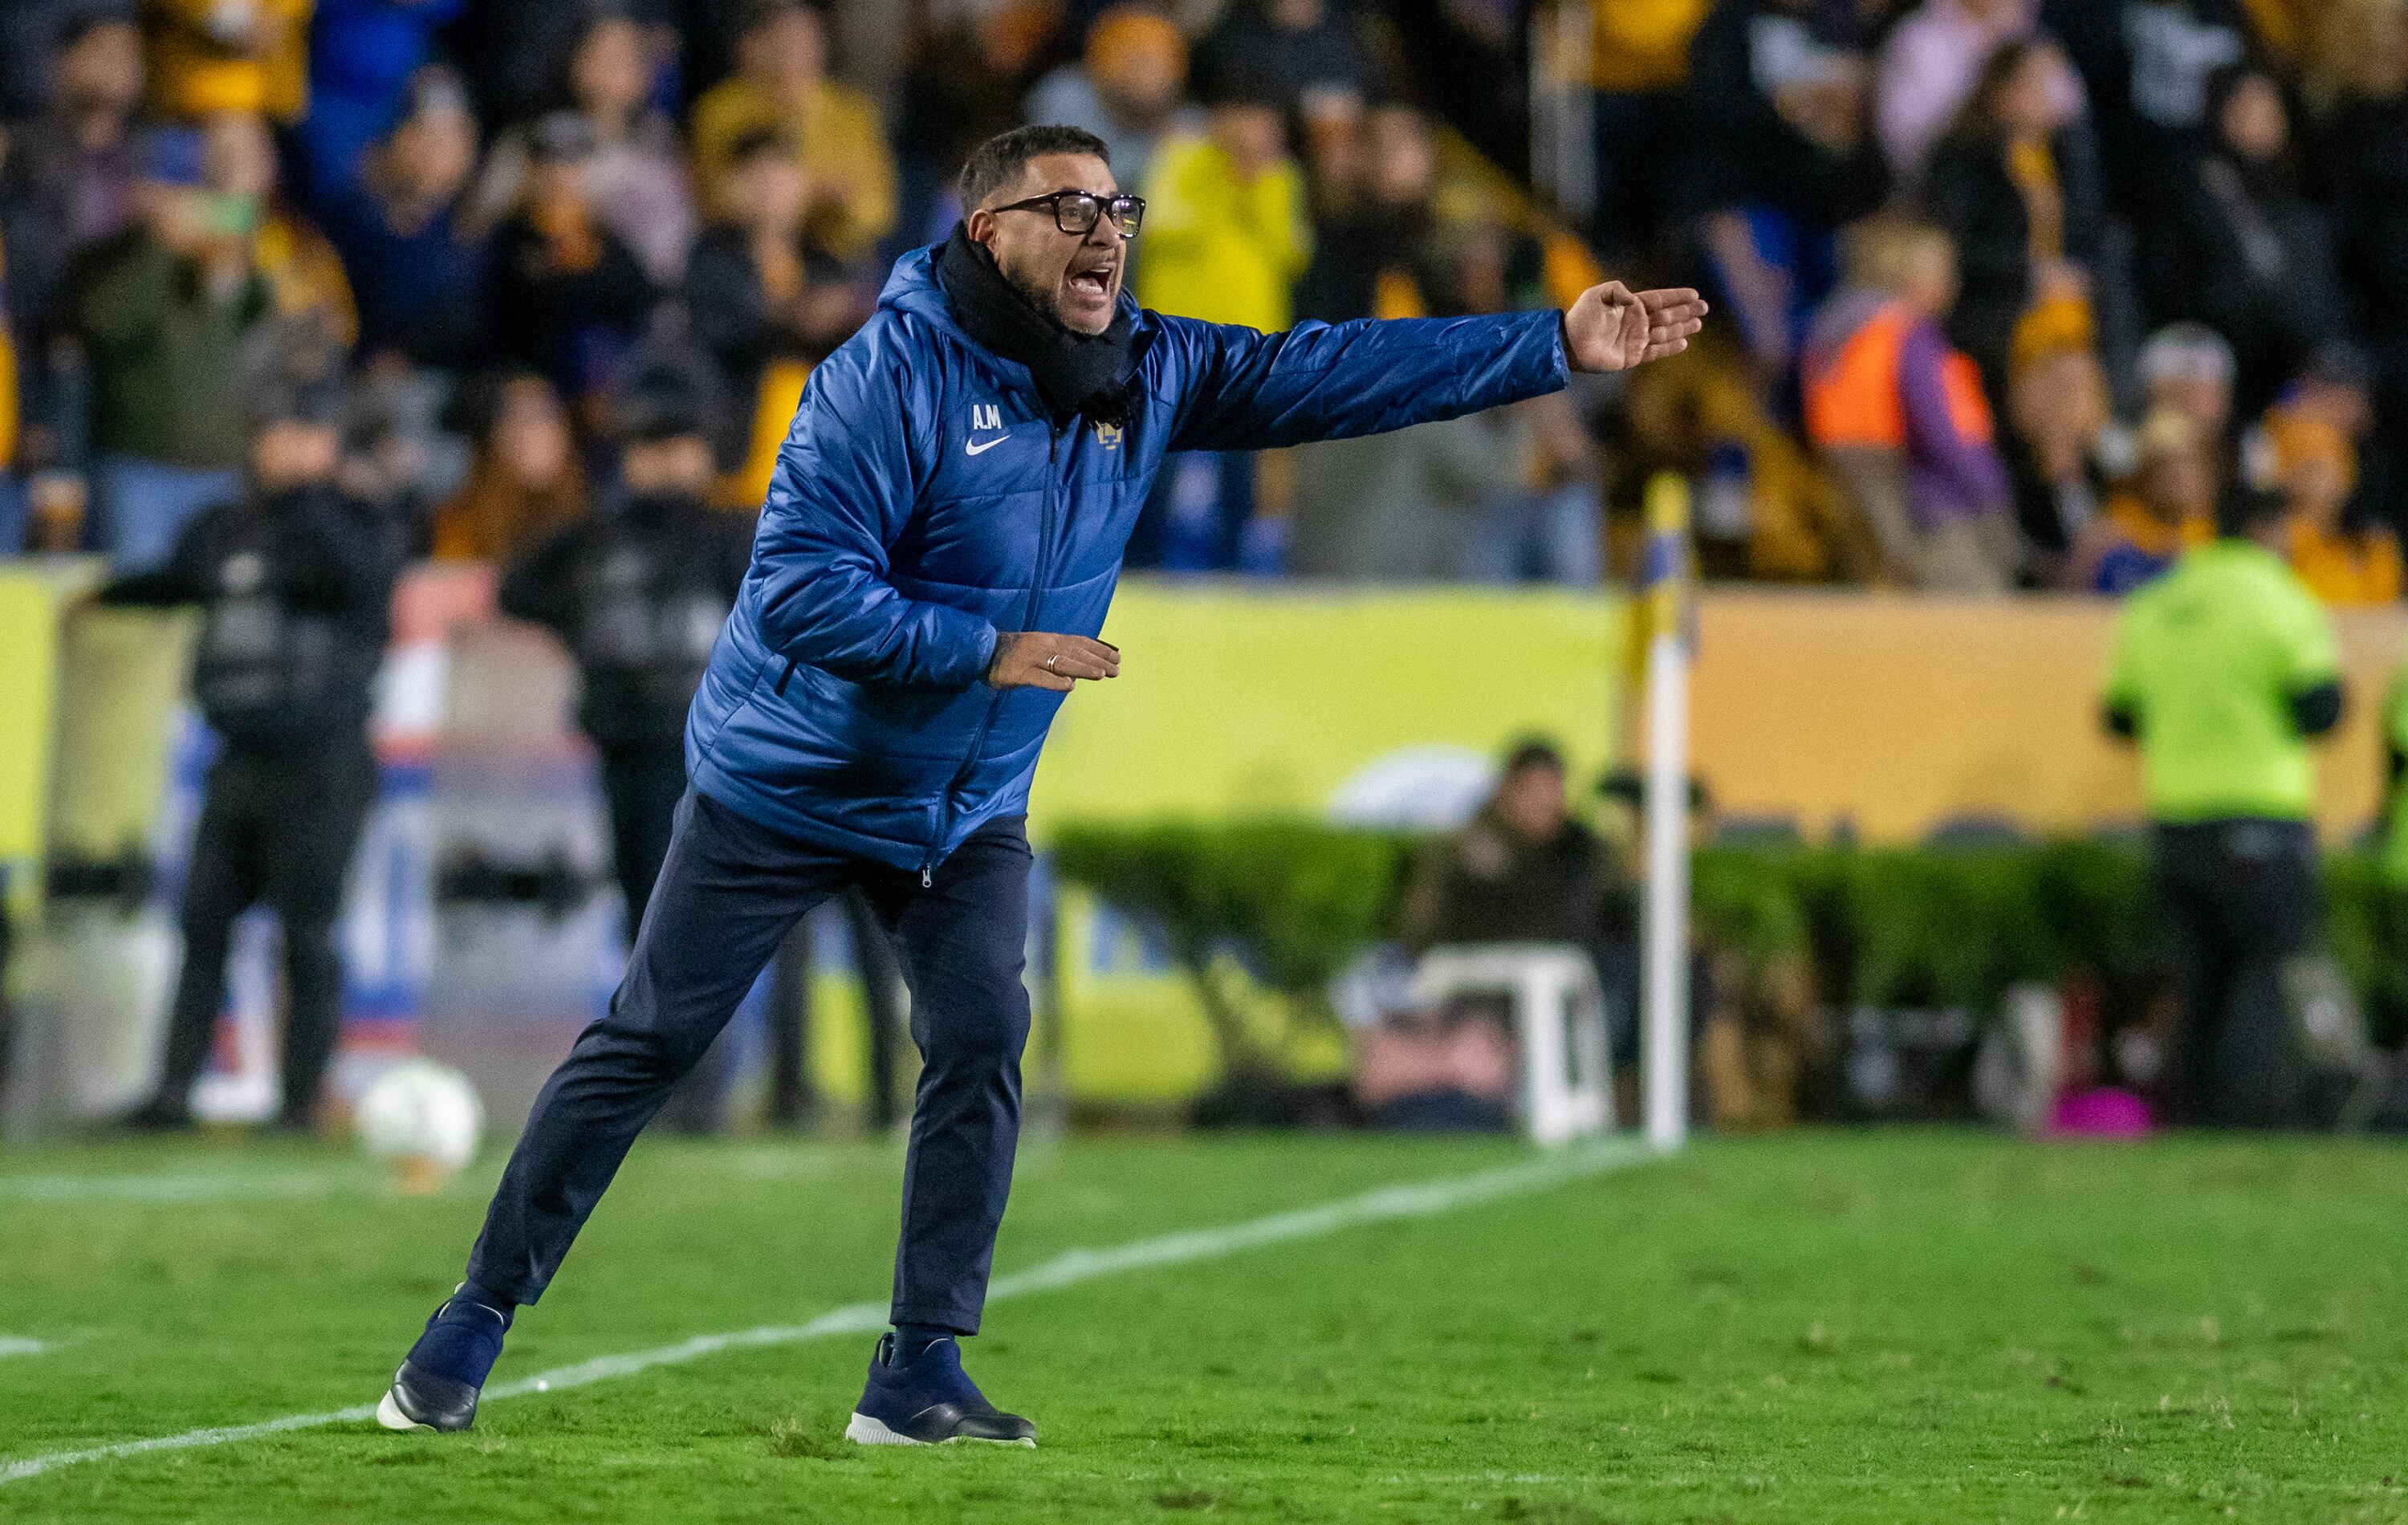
[1612, 327]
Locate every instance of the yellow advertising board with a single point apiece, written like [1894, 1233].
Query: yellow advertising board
[1891, 716]
[1292, 702]
[29, 626]
[1238, 701]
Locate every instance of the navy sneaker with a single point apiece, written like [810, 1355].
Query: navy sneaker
[437, 1385]
[932, 1402]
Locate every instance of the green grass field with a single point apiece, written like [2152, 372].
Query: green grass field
[1913, 1327]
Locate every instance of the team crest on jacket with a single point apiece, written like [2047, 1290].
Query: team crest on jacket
[1108, 436]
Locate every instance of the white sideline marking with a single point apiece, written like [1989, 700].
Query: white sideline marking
[16, 1345]
[1414, 1200]
[183, 1186]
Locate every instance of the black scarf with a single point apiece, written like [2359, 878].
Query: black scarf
[1076, 373]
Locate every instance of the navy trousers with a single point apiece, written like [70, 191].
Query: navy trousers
[726, 895]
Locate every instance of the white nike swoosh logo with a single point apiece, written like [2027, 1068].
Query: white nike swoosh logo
[972, 447]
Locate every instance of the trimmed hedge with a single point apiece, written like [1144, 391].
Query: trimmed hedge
[1294, 900]
[1300, 900]
[1931, 927]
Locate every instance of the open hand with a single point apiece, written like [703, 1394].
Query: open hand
[1040, 659]
[1610, 327]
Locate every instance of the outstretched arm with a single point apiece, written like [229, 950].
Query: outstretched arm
[1252, 390]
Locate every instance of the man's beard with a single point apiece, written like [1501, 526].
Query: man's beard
[1075, 372]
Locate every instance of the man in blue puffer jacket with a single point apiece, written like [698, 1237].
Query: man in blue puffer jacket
[942, 536]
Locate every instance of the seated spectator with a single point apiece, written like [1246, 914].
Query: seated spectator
[635, 174]
[514, 57]
[2315, 466]
[2145, 66]
[2057, 403]
[564, 294]
[2336, 389]
[2169, 510]
[1903, 417]
[1307, 58]
[30, 31]
[305, 276]
[1373, 221]
[1639, 68]
[417, 266]
[972, 67]
[2244, 250]
[1779, 157]
[1125, 90]
[524, 483]
[1225, 229]
[364, 56]
[2187, 368]
[1390, 241]
[67, 180]
[781, 82]
[1931, 66]
[768, 303]
[1226, 242]
[162, 310]
[1523, 871]
[2015, 184]
[208, 56]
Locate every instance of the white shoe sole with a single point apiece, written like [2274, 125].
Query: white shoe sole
[389, 1414]
[864, 1430]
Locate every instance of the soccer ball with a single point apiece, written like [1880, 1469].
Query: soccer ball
[425, 1119]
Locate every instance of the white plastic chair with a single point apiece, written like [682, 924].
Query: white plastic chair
[1558, 1022]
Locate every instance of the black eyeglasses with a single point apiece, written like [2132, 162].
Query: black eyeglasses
[1076, 211]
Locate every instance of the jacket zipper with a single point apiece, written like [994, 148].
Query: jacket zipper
[1028, 622]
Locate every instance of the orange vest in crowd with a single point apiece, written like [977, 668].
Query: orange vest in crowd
[1853, 398]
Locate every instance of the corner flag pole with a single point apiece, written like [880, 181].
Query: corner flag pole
[1663, 591]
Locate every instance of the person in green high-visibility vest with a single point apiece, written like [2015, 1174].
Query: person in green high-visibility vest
[2395, 752]
[2388, 1008]
[2223, 671]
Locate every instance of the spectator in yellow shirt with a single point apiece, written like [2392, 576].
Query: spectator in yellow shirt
[1638, 66]
[229, 56]
[2316, 466]
[781, 83]
[1224, 230]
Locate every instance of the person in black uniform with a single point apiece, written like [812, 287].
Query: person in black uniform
[296, 583]
[637, 596]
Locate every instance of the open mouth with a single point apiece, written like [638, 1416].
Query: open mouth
[1096, 281]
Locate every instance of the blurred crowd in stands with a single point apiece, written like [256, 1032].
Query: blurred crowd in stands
[2010, 290]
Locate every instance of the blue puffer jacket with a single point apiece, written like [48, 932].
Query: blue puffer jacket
[924, 500]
